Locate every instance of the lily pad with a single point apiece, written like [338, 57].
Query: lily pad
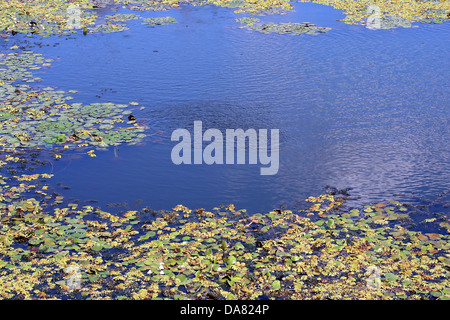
[158, 21]
[287, 28]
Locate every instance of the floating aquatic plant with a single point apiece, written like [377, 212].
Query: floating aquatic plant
[121, 17]
[35, 117]
[319, 253]
[46, 18]
[261, 7]
[43, 17]
[283, 28]
[109, 28]
[414, 11]
[159, 21]
[248, 20]
[389, 22]
[47, 243]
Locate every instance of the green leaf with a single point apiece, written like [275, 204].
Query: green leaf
[276, 285]
[239, 246]
[436, 294]
[231, 260]
[97, 247]
[391, 277]
[148, 235]
[181, 277]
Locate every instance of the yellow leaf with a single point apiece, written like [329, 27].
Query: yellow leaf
[422, 237]
[434, 236]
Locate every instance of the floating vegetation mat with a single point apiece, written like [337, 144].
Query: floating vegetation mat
[356, 12]
[62, 17]
[52, 248]
[260, 7]
[159, 20]
[146, 5]
[282, 28]
[37, 117]
[44, 17]
[393, 22]
[120, 17]
[109, 27]
[325, 252]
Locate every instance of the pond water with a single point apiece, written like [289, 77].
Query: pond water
[356, 108]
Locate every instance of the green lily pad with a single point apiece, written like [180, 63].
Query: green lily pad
[159, 21]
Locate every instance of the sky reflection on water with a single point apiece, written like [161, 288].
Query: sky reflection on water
[356, 108]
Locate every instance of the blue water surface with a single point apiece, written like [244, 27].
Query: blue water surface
[356, 108]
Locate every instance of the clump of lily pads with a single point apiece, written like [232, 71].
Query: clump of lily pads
[262, 7]
[247, 20]
[158, 21]
[54, 248]
[145, 5]
[357, 12]
[15, 66]
[324, 252]
[436, 16]
[47, 18]
[394, 22]
[109, 28]
[33, 116]
[389, 22]
[284, 28]
[121, 17]
[234, 3]
[43, 17]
